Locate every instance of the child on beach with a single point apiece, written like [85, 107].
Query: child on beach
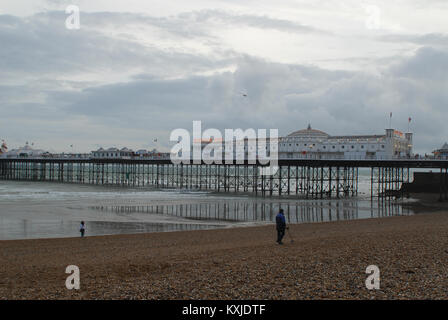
[82, 228]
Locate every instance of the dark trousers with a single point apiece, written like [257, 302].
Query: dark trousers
[82, 232]
[280, 234]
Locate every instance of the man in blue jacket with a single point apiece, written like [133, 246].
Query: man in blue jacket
[281, 226]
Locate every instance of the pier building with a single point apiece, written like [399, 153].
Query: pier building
[311, 143]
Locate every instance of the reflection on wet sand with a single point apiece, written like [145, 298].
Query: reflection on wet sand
[49, 210]
[259, 211]
[27, 229]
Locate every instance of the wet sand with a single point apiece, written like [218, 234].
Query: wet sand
[325, 261]
[426, 202]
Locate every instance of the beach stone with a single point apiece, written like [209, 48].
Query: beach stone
[326, 261]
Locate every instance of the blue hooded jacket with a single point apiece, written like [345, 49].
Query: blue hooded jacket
[280, 221]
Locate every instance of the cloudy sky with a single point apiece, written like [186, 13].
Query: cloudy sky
[136, 70]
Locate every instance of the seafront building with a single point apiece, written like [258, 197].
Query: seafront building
[441, 153]
[112, 153]
[310, 143]
[125, 153]
[26, 151]
[306, 143]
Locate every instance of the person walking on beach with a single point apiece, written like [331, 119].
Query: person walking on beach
[82, 228]
[281, 226]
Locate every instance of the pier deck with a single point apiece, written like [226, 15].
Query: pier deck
[308, 178]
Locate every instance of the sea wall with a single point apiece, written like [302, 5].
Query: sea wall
[426, 182]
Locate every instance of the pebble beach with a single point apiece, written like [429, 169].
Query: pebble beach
[317, 261]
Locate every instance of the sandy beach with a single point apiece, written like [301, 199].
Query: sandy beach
[325, 261]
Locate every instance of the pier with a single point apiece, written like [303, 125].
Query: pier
[304, 178]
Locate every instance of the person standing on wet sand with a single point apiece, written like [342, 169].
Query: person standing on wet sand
[82, 228]
[281, 226]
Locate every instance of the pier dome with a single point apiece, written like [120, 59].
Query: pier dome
[309, 133]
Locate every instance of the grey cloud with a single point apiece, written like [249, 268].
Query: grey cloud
[430, 39]
[195, 24]
[280, 96]
[415, 87]
[257, 21]
[41, 45]
[150, 102]
[427, 64]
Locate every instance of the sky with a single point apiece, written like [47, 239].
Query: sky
[136, 70]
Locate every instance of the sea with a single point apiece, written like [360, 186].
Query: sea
[30, 210]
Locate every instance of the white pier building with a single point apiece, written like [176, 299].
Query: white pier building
[310, 143]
